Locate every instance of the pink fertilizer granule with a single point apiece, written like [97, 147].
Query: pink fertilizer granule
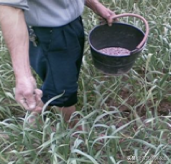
[115, 51]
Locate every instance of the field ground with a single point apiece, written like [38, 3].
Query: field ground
[125, 119]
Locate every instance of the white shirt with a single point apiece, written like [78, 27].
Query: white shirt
[48, 13]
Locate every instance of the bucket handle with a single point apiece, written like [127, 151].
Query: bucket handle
[140, 17]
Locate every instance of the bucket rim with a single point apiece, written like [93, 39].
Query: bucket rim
[113, 56]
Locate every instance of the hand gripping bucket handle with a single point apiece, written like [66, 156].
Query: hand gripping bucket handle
[140, 17]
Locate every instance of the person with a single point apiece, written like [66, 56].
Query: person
[55, 49]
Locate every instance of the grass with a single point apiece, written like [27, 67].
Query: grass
[126, 119]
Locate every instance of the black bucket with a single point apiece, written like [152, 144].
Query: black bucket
[120, 35]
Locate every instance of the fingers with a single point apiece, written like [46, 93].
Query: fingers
[22, 102]
[107, 17]
[39, 106]
[102, 21]
[27, 100]
[27, 94]
[38, 95]
[110, 19]
[31, 101]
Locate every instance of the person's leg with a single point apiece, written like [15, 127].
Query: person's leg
[57, 60]
[65, 111]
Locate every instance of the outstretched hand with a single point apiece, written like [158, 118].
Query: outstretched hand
[27, 94]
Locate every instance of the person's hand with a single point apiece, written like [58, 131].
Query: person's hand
[27, 94]
[108, 18]
[105, 13]
[39, 103]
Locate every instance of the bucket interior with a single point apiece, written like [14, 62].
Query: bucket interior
[118, 35]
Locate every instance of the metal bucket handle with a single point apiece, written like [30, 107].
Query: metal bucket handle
[140, 17]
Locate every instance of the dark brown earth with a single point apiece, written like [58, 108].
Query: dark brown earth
[163, 109]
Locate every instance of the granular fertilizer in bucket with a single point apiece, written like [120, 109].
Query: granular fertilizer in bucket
[115, 51]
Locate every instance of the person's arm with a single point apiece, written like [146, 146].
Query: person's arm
[15, 33]
[101, 10]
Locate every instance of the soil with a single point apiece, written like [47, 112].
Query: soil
[115, 51]
[163, 109]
